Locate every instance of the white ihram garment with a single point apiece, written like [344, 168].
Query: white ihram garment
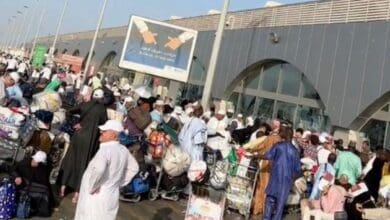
[112, 167]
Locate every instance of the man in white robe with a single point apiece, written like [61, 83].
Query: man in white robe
[218, 136]
[112, 167]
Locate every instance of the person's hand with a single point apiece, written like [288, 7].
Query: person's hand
[149, 37]
[173, 43]
[359, 207]
[18, 181]
[77, 127]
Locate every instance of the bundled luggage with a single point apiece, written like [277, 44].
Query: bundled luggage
[176, 161]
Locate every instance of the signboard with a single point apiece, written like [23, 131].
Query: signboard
[39, 56]
[158, 48]
[74, 62]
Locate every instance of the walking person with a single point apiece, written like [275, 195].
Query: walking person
[285, 169]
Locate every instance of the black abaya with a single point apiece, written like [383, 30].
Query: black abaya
[84, 143]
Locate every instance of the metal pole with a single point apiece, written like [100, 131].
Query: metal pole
[90, 54]
[29, 25]
[13, 23]
[13, 34]
[214, 55]
[58, 29]
[38, 29]
[21, 27]
[6, 35]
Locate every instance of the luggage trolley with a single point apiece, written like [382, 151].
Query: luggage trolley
[206, 201]
[241, 184]
[154, 193]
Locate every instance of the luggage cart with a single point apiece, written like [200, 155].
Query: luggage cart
[154, 193]
[241, 185]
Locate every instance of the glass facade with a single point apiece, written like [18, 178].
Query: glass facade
[377, 130]
[279, 90]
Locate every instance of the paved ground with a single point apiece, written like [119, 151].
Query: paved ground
[145, 210]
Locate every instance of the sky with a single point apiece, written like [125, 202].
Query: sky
[82, 15]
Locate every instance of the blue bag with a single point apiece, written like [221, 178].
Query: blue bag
[140, 185]
[7, 199]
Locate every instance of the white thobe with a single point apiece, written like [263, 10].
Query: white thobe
[215, 126]
[112, 167]
[192, 137]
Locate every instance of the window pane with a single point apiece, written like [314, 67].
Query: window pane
[285, 111]
[387, 141]
[291, 79]
[308, 90]
[386, 108]
[252, 82]
[311, 119]
[270, 78]
[247, 104]
[266, 108]
[197, 71]
[234, 98]
[375, 132]
[190, 92]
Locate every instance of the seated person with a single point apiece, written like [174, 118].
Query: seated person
[32, 177]
[331, 201]
[358, 193]
[322, 170]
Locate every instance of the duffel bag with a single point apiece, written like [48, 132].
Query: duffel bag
[176, 161]
[140, 185]
[7, 198]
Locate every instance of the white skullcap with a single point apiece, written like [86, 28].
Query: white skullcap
[15, 76]
[40, 157]
[159, 102]
[127, 87]
[117, 94]
[221, 112]
[99, 93]
[178, 110]
[128, 99]
[250, 121]
[240, 116]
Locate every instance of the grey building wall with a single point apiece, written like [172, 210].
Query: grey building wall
[346, 63]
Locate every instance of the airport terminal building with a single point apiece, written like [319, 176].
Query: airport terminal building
[321, 65]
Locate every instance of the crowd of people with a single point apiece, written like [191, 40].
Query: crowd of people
[333, 180]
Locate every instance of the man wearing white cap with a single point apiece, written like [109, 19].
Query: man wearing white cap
[112, 167]
[157, 113]
[218, 136]
[7, 81]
